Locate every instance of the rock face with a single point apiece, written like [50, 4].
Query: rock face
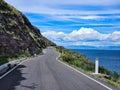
[17, 35]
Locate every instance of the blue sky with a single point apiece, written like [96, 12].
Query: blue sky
[75, 23]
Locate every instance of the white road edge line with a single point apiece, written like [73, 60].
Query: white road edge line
[11, 70]
[65, 65]
[83, 74]
[15, 68]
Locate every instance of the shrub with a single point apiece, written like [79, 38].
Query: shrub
[67, 58]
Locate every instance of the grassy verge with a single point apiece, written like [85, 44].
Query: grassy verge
[84, 64]
[7, 58]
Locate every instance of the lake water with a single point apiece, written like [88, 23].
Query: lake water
[110, 59]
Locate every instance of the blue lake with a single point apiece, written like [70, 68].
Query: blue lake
[110, 59]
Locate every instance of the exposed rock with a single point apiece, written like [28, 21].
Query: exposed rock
[17, 35]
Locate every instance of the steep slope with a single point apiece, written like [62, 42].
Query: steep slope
[17, 35]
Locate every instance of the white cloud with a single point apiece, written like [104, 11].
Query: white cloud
[81, 34]
[115, 36]
[84, 36]
[85, 17]
[81, 2]
[45, 6]
[90, 17]
[54, 35]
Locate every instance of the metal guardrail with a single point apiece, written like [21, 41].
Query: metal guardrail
[6, 66]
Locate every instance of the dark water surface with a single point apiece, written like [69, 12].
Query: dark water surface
[110, 59]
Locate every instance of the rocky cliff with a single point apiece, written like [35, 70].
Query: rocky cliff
[17, 34]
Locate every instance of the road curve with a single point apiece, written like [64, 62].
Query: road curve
[46, 73]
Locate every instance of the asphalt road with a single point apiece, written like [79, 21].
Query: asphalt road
[46, 73]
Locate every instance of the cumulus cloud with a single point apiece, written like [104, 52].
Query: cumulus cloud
[54, 35]
[75, 35]
[115, 36]
[84, 36]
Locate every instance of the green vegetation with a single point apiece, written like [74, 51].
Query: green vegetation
[82, 63]
[76, 59]
[6, 57]
[6, 8]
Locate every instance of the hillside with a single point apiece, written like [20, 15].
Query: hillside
[17, 35]
[84, 64]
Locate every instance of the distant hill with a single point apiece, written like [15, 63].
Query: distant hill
[17, 34]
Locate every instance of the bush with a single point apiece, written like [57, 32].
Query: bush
[67, 58]
[115, 76]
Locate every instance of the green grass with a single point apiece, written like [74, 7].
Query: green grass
[76, 59]
[81, 62]
[117, 84]
[7, 58]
